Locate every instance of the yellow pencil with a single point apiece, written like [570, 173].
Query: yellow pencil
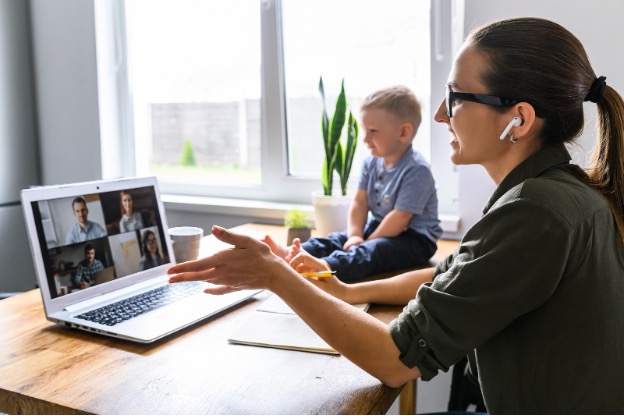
[325, 274]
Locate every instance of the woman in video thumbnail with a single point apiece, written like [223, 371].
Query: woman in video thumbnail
[130, 220]
[151, 253]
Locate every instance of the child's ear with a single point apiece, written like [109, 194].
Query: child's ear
[406, 131]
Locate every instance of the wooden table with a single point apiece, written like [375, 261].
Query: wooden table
[48, 369]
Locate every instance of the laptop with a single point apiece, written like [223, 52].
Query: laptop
[111, 279]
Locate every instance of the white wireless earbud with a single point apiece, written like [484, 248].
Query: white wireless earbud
[515, 122]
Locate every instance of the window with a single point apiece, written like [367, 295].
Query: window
[194, 68]
[369, 44]
[222, 96]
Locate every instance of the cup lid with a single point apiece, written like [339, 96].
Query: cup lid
[186, 231]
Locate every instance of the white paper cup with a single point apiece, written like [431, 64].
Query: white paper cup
[186, 242]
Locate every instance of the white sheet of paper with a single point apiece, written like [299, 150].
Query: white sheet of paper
[275, 304]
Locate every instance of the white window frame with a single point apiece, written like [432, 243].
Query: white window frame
[278, 190]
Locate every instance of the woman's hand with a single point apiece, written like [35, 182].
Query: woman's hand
[333, 286]
[305, 262]
[248, 264]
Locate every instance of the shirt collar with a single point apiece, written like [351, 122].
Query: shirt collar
[403, 160]
[536, 164]
[79, 226]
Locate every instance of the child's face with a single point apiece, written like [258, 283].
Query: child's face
[385, 135]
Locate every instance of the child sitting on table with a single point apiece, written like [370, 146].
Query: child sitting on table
[393, 219]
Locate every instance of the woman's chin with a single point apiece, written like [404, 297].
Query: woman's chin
[456, 154]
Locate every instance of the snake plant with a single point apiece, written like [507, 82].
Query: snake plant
[338, 155]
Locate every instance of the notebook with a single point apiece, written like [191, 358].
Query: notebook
[275, 325]
[100, 274]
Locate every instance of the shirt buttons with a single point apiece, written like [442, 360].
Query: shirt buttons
[422, 343]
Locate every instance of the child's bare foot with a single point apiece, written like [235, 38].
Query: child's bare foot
[277, 249]
[293, 250]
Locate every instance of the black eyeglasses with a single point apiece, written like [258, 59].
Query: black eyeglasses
[492, 100]
[151, 241]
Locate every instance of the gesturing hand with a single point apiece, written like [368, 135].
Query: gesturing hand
[248, 264]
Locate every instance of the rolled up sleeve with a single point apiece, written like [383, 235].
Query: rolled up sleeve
[415, 350]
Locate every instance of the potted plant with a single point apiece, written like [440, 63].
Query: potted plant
[298, 224]
[338, 155]
[340, 137]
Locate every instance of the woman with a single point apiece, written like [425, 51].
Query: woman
[130, 220]
[151, 253]
[535, 294]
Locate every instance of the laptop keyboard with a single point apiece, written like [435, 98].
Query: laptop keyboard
[123, 310]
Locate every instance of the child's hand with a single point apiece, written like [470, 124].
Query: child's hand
[352, 241]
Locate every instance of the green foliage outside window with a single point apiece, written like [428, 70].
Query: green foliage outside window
[188, 154]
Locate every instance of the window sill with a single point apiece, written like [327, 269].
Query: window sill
[262, 210]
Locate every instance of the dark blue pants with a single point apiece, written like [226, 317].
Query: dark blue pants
[408, 249]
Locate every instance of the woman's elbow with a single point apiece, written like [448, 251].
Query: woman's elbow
[394, 381]
[398, 378]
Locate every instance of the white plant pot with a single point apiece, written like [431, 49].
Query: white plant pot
[330, 212]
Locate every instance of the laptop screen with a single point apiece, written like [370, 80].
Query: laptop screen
[91, 239]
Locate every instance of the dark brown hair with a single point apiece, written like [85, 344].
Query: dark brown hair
[147, 234]
[542, 63]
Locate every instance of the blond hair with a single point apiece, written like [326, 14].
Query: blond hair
[398, 100]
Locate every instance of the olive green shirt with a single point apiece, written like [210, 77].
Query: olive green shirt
[534, 296]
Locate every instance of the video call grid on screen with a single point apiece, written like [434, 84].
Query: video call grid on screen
[121, 246]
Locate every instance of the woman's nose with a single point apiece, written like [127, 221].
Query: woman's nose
[441, 114]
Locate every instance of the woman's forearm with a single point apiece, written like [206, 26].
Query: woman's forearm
[396, 290]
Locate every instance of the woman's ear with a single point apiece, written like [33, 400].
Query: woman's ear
[529, 121]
